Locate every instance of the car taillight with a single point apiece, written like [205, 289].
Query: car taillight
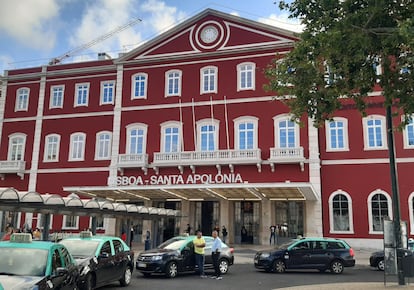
[232, 250]
[351, 252]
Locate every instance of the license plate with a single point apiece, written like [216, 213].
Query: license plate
[142, 265]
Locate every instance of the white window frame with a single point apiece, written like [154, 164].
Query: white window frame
[134, 84]
[72, 146]
[245, 119]
[98, 145]
[52, 97]
[65, 227]
[370, 220]
[137, 126]
[240, 70]
[350, 213]
[46, 149]
[77, 90]
[411, 212]
[383, 132]
[208, 122]
[22, 99]
[285, 117]
[171, 124]
[104, 222]
[328, 135]
[167, 81]
[405, 133]
[203, 70]
[12, 137]
[105, 89]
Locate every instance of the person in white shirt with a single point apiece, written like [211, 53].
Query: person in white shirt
[215, 254]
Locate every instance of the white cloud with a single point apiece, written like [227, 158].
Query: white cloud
[161, 17]
[283, 21]
[30, 22]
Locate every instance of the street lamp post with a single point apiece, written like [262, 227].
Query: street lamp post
[395, 193]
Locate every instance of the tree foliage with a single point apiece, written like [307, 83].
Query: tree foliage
[347, 48]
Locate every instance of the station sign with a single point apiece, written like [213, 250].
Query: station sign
[175, 179]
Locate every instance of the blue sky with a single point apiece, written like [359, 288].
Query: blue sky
[32, 32]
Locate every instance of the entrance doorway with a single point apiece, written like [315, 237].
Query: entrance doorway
[169, 227]
[206, 216]
[289, 219]
[247, 222]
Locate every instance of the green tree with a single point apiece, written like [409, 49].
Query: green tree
[347, 48]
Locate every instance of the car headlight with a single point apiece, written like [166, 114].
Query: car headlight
[265, 255]
[156, 258]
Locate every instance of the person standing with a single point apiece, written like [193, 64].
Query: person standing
[273, 234]
[215, 255]
[224, 233]
[199, 244]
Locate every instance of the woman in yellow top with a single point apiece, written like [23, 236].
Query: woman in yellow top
[199, 244]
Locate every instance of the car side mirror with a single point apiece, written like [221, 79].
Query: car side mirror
[60, 271]
[104, 255]
[185, 251]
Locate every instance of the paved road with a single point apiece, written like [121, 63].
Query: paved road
[243, 276]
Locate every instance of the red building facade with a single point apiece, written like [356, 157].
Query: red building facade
[183, 122]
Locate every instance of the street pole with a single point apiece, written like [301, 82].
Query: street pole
[395, 194]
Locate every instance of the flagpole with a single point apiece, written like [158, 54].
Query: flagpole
[181, 128]
[227, 122]
[194, 124]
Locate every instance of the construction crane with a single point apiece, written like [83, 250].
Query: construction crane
[71, 52]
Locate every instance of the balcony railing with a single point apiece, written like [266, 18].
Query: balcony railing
[286, 155]
[133, 161]
[201, 158]
[16, 166]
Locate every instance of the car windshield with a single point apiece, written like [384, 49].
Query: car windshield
[286, 245]
[173, 244]
[81, 248]
[23, 262]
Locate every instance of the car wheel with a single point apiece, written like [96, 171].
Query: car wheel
[171, 270]
[89, 282]
[223, 266]
[337, 267]
[381, 265]
[279, 266]
[126, 278]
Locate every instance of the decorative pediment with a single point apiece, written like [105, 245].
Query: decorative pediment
[210, 31]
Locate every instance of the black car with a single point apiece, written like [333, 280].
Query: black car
[27, 264]
[101, 259]
[308, 253]
[376, 259]
[177, 255]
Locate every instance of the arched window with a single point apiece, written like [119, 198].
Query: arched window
[22, 99]
[246, 76]
[286, 132]
[17, 143]
[208, 80]
[374, 132]
[340, 212]
[137, 138]
[245, 129]
[379, 207]
[52, 146]
[337, 134]
[103, 145]
[171, 137]
[173, 83]
[77, 147]
[208, 134]
[139, 86]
